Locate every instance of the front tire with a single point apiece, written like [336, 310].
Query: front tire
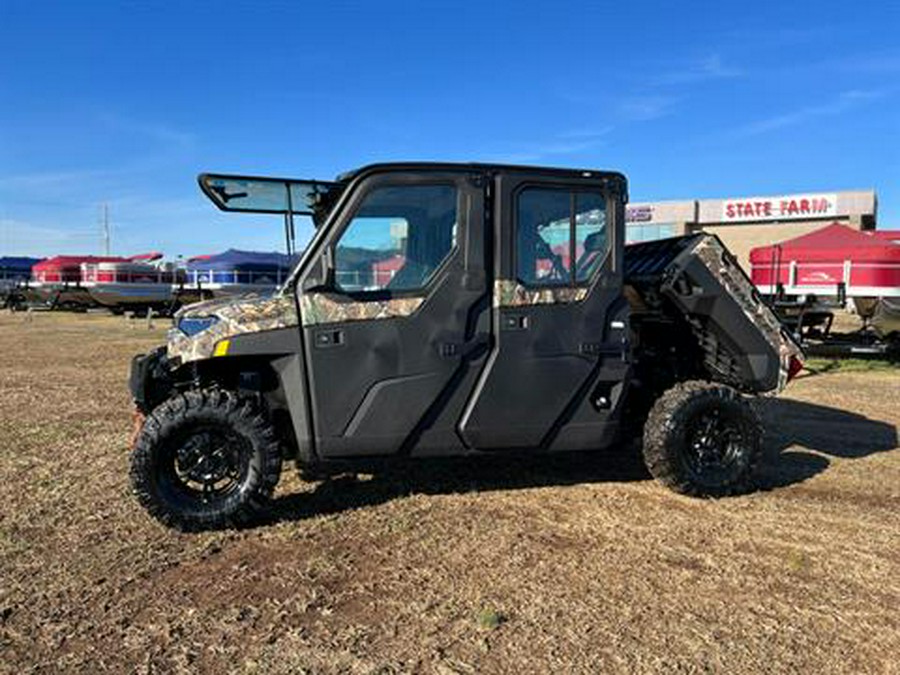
[205, 460]
[703, 439]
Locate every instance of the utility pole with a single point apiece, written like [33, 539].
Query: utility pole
[106, 229]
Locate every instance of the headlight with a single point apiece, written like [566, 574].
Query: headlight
[191, 325]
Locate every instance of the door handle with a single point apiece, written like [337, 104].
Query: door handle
[329, 338]
[448, 349]
[465, 350]
[514, 322]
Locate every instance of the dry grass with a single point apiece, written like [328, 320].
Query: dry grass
[564, 565]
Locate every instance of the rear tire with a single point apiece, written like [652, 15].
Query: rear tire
[206, 460]
[703, 439]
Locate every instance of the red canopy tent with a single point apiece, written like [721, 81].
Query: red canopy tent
[820, 261]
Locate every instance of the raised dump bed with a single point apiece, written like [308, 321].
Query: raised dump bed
[693, 284]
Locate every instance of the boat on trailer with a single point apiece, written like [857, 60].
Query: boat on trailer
[135, 283]
[143, 282]
[235, 272]
[806, 278]
[836, 261]
[57, 281]
[15, 273]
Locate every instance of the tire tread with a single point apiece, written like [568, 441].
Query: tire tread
[228, 408]
[663, 425]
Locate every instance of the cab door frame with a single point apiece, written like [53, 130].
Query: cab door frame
[378, 368]
[555, 375]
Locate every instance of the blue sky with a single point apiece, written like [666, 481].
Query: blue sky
[124, 103]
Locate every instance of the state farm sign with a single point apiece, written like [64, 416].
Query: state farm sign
[788, 207]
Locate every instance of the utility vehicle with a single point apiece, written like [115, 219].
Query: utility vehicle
[455, 309]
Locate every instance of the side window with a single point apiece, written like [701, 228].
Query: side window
[560, 236]
[398, 237]
[543, 235]
[590, 234]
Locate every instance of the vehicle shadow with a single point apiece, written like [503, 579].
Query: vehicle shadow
[461, 475]
[794, 428]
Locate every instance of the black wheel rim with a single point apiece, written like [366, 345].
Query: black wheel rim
[207, 464]
[715, 447]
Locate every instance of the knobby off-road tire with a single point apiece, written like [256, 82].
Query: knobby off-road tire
[703, 439]
[206, 460]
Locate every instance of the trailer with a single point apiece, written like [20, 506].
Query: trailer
[809, 278]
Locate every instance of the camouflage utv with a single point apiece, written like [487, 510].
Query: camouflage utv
[455, 309]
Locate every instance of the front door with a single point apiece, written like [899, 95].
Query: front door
[388, 341]
[554, 376]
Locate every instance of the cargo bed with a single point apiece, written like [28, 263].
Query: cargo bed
[695, 281]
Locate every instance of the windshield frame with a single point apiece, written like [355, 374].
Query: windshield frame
[317, 197]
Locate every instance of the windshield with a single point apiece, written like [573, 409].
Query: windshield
[271, 195]
[286, 197]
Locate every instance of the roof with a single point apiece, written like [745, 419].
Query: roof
[561, 172]
[832, 243]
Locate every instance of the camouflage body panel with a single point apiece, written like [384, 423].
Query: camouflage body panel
[712, 252]
[247, 314]
[509, 293]
[320, 308]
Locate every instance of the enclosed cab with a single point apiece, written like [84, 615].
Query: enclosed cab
[455, 309]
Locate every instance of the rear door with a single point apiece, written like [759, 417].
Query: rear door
[554, 376]
[389, 338]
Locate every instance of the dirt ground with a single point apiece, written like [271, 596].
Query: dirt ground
[566, 565]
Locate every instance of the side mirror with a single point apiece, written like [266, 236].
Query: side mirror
[321, 277]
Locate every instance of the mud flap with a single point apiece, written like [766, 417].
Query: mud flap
[137, 423]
